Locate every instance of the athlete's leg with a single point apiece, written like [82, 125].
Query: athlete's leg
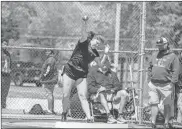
[67, 85]
[82, 93]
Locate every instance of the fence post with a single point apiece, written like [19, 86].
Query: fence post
[142, 60]
[117, 31]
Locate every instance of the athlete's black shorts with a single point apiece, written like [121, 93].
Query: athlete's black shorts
[73, 73]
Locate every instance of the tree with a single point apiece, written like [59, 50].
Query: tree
[165, 19]
[8, 24]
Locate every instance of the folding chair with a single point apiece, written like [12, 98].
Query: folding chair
[92, 103]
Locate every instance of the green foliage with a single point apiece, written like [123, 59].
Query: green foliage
[165, 19]
[8, 30]
[46, 23]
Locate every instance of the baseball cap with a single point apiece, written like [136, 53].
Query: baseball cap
[161, 41]
[50, 51]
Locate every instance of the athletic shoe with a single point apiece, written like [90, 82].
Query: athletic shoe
[49, 112]
[111, 120]
[54, 113]
[121, 120]
[64, 116]
[154, 126]
[168, 126]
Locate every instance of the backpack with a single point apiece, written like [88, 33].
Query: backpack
[37, 110]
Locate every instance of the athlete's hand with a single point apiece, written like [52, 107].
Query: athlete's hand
[106, 50]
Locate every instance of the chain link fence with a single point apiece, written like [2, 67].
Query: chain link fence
[159, 24]
[30, 28]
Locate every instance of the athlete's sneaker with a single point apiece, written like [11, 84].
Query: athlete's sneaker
[121, 120]
[49, 112]
[168, 126]
[111, 120]
[54, 113]
[64, 116]
[154, 126]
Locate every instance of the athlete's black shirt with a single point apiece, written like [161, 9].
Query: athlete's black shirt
[82, 56]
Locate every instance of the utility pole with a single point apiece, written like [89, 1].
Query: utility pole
[117, 33]
[142, 52]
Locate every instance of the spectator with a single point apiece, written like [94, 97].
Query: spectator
[49, 77]
[179, 92]
[5, 74]
[163, 75]
[103, 82]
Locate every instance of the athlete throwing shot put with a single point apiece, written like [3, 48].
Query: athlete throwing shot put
[76, 69]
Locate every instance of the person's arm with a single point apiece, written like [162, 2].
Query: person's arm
[48, 64]
[42, 70]
[101, 62]
[175, 70]
[105, 56]
[47, 70]
[180, 75]
[84, 31]
[7, 61]
[10, 63]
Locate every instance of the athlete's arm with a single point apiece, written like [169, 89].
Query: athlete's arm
[84, 31]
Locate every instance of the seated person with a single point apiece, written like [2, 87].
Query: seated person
[103, 82]
[179, 104]
[179, 92]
